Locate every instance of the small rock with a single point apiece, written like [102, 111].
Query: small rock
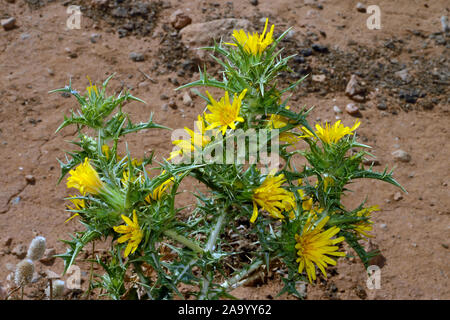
[8, 241]
[163, 97]
[254, 2]
[400, 155]
[137, 57]
[355, 90]
[306, 52]
[95, 37]
[172, 105]
[25, 36]
[48, 257]
[336, 109]
[16, 200]
[318, 77]
[30, 179]
[312, 13]
[361, 7]
[320, 48]
[353, 110]
[187, 100]
[404, 75]
[8, 24]
[383, 226]
[444, 23]
[301, 287]
[50, 72]
[179, 19]
[398, 196]
[20, 251]
[381, 106]
[165, 107]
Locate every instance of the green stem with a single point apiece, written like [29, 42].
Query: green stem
[183, 240]
[234, 281]
[210, 246]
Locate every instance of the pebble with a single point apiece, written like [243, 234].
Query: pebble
[319, 77]
[30, 179]
[95, 37]
[381, 106]
[361, 7]
[8, 241]
[187, 100]
[172, 105]
[25, 36]
[352, 109]
[354, 89]
[48, 257]
[137, 57]
[400, 155]
[8, 24]
[404, 75]
[371, 162]
[165, 107]
[179, 19]
[20, 251]
[254, 2]
[398, 196]
[383, 226]
[320, 48]
[306, 52]
[336, 109]
[444, 23]
[50, 72]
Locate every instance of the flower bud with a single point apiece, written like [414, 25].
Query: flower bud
[24, 272]
[36, 249]
[58, 289]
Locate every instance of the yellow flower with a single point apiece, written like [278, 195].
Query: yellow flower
[278, 122]
[106, 151]
[254, 43]
[313, 246]
[331, 134]
[273, 198]
[126, 178]
[223, 113]
[327, 182]
[198, 139]
[78, 204]
[159, 191]
[132, 233]
[85, 179]
[91, 88]
[363, 227]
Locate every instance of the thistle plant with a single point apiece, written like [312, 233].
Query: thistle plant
[293, 215]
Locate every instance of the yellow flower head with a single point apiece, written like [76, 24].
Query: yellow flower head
[159, 191]
[198, 139]
[91, 88]
[223, 113]
[273, 198]
[106, 151]
[254, 43]
[313, 246]
[132, 233]
[78, 204]
[331, 134]
[85, 179]
[363, 227]
[278, 122]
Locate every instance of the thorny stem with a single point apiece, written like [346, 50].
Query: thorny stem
[188, 243]
[210, 246]
[10, 294]
[142, 278]
[235, 280]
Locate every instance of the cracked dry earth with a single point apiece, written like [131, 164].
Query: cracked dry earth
[412, 114]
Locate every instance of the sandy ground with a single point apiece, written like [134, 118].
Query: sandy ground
[411, 230]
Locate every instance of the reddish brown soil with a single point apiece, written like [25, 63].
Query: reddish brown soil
[412, 233]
